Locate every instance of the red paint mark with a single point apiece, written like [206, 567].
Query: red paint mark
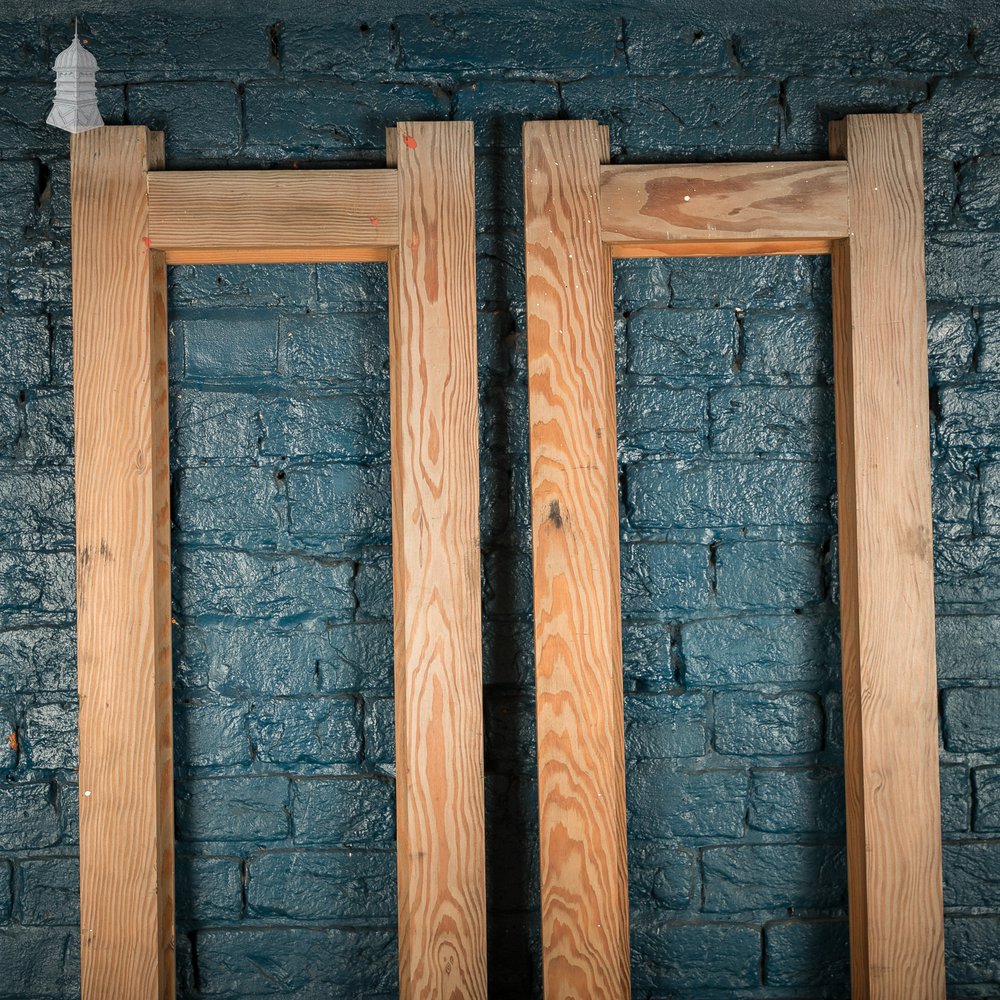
[12, 740]
[373, 220]
[411, 143]
[145, 240]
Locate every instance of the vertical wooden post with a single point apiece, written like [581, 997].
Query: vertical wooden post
[886, 566]
[441, 854]
[574, 485]
[123, 572]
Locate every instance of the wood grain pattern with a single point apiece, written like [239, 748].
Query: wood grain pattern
[886, 566]
[273, 216]
[123, 572]
[756, 203]
[436, 571]
[574, 502]
[721, 248]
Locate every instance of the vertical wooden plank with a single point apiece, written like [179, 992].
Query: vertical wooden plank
[574, 487]
[886, 565]
[123, 572]
[436, 582]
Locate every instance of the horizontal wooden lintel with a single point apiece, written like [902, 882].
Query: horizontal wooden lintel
[723, 209]
[273, 216]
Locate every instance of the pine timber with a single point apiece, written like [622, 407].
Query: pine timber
[123, 572]
[574, 504]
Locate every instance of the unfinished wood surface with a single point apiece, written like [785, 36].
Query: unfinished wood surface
[436, 581]
[574, 504]
[721, 248]
[273, 216]
[790, 207]
[123, 572]
[886, 566]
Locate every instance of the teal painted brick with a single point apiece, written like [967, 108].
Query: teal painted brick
[507, 588]
[986, 814]
[225, 345]
[772, 421]
[37, 505]
[531, 44]
[348, 812]
[664, 802]
[971, 719]
[728, 494]
[979, 192]
[49, 735]
[306, 733]
[225, 501]
[989, 496]
[759, 649]
[660, 117]
[971, 954]
[956, 801]
[941, 192]
[38, 962]
[339, 506]
[743, 282]
[678, 957]
[37, 659]
[28, 817]
[322, 886]
[682, 342]
[648, 654]
[24, 342]
[199, 121]
[48, 418]
[751, 724]
[967, 577]
[373, 585]
[331, 119]
[797, 801]
[246, 810]
[661, 877]
[6, 881]
[243, 662]
[764, 575]
[808, 954]
[67, 796]
[380, 732]
[813, 102]
[282, 588]
[774, 877]
[25, 106]
[665, 726]
[963, 267]
[11, 421]
[354, 288]
[250, 962]
[209, 890]
[337, 347]
[972, 874]
[665, 580]
[959, 118]
[338, 426]
[226, 425]
[35, 583]
[358, 49]
[9, 747]
[212, 734]
[658, 49]
[499, 108]
[788, 346]
[970, 417]
[208, 286]
[48, 892]
[509, 733]
[987, 355]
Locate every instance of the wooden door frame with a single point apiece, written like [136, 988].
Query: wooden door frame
[865, 209]
[131, 219]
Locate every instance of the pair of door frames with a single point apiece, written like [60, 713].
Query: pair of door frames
[132, 218]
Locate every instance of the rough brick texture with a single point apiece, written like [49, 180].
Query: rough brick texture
[279, 437]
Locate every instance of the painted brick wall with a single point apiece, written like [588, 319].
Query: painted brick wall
[284, 757]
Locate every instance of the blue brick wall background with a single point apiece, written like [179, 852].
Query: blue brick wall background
[284, 746]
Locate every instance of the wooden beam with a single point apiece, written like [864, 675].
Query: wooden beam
[574, 503]
[683, 209]
[123, 571]
[886, 566]
[273, 216]
[441, 857]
